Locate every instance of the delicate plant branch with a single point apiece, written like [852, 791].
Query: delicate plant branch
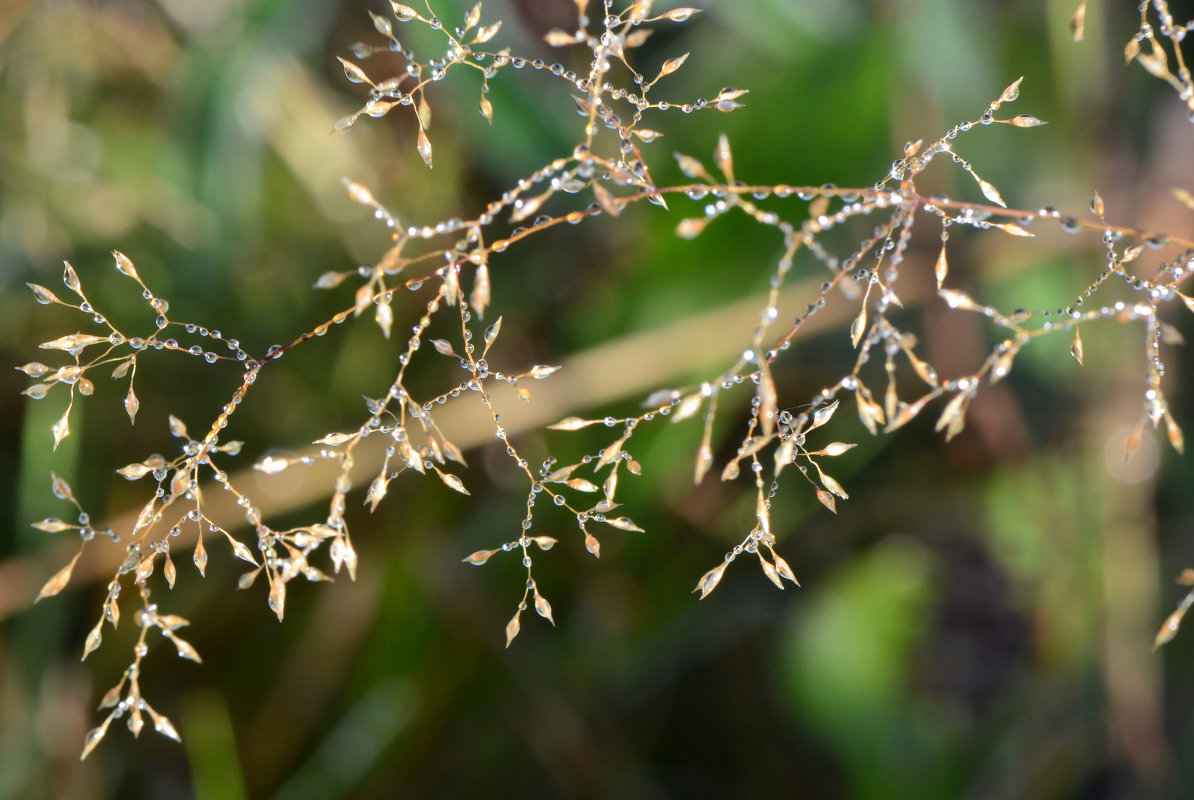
[446, 265]
[1158, 28]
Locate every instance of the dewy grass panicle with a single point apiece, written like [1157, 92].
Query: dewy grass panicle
[441, 271]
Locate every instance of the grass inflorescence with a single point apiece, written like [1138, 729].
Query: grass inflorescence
[438, 275]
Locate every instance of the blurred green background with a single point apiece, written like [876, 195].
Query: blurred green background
[976, 621]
